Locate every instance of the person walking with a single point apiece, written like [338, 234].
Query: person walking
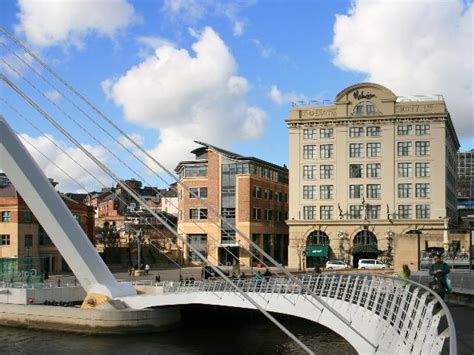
[267, 274]
[147, 269]
[258, 278]
[439, 271]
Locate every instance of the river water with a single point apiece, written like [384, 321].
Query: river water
[204, 330]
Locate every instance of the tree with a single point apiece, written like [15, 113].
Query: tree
[300, 246]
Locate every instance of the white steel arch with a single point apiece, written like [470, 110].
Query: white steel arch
[397, 316]
[56, 219]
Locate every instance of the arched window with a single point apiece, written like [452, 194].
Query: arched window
[317, 238]
[364, 108]
[365, 237]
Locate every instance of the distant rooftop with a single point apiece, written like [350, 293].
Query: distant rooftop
[236, 156]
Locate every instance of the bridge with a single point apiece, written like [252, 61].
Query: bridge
[395, 316]
[374, 313]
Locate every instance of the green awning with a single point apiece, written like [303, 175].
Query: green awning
[317, 250]
[365, 249]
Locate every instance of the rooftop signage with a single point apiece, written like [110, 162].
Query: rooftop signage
[359, 95]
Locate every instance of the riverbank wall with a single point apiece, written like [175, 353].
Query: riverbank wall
[97, 321]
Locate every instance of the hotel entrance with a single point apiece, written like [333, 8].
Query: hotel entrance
[317, 249]
[364, 246]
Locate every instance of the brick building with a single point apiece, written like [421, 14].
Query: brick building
[22, 236]
[250, 193]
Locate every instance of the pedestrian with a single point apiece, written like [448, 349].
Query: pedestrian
[439, 271]
[147, 269]
[129, 271]
[267, 274]
[405, 273]
[133, 271]
[258, 277]
[316, 270]
[242, 275]
[157, 278]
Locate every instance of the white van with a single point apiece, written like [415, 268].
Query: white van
[371, 264]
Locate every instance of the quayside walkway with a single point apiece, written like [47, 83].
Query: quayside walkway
[376, 314]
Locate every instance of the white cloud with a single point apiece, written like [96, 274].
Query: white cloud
[53, 95]
[238, 28]
[192, 11]
[265, 51]
[281, 98]
[189, 96]
[52, 22]
[44, 145]
[419, 47]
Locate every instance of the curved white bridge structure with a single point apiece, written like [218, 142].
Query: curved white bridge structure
[393, 316]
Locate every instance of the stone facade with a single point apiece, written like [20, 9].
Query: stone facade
[367, 169]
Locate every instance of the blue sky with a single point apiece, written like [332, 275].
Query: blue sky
[281, 44]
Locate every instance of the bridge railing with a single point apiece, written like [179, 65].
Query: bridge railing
[412, 311]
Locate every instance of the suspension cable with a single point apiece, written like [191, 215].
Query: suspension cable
[158, 217]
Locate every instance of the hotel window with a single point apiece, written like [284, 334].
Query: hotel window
[355, 212]
[356, 191]
[326, 151]
[5, 239]
[422, 129]
[309, 212]
[228, 212]
[422, 190]
[404, 190]
[404, 149]
[326, 192]
[326, 171]
[370, 109]
[356, 170]
[27, 217]
[266, 194]
[257, 192]
[309, 151]
[198, 213]
[359, 109]
[423, 211]
[422, 169]
[326, 133]
[309, 134]
[268, 215]
[374, 170]
[326, 212]
[373, 211]
[404, 211]
[422, 148]
[374, 149]
[356, 131]
[198, 192]
[404, 169]
[309, 192]
[374, 131]
[202, 213]
[404, 130]
[356, 150]
[6, 216]
[309, 172]
[28, 240]
[373, 190]
[256, 213]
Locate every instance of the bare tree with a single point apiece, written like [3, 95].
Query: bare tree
[300, 246]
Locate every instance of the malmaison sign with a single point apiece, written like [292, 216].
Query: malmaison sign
[318, 112]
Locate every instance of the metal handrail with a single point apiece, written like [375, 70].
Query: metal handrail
[390, 297]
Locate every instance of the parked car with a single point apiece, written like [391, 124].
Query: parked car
[371, 264]
[336, 265]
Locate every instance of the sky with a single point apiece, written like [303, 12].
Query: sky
[226, 72]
